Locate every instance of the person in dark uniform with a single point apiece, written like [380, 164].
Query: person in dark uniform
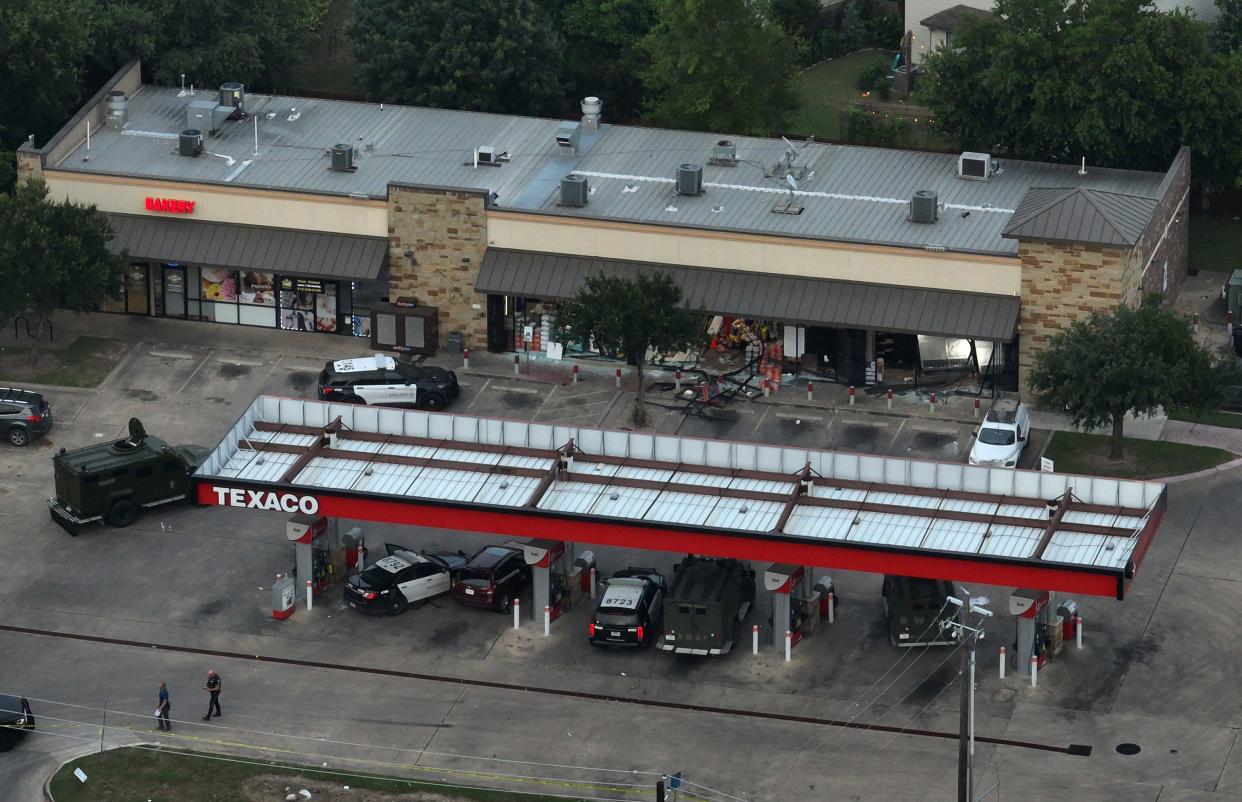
[163, 707]
[213, 687]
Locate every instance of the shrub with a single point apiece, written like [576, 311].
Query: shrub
[872, 75]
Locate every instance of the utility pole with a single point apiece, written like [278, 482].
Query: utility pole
[963, 724]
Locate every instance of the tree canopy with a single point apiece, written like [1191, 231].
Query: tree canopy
[632, 316]
[1115, 81]
[1135, 360]
[43, 46]
[719, 65]
[601, 54]
[53, 255]
[486, 55]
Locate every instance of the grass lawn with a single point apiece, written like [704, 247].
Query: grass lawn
[1211, 417]
[126, 775]
[1215, 243]
[1072, 452]
[84, 362]
[828, 89]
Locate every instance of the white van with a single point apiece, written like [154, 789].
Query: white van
[1004, 433]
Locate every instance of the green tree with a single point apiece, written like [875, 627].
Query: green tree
[601, 53]
[53, 255]
[43, 44]
[719, 65]
[1135, 360]
[1227, 33]
[632, 316]
[487, 55]
[853, 27]
[1112, 80]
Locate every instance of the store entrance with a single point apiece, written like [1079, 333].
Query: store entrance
[137, 290]
[173, 284]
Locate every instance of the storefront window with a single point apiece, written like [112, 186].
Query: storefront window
[308, 304]
[219, 293]
[257, 297]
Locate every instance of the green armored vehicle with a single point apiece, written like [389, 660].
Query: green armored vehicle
[705, 605]
[113, 481]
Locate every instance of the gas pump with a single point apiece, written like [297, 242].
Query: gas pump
[549, 567]
[311, 550]
[1030, 608]
[790, 587]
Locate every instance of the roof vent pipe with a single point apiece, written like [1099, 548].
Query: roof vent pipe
[591, 108]
[233, 95]
[117, 110]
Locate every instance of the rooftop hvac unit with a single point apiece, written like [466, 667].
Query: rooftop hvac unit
[690, 179]
[923, 207]
[974, 166]
[233, 95]
[343, 158]
[567, 135]
[190, 142]
[485, 154]
[574, 191]
[117, 109]
[724, 154]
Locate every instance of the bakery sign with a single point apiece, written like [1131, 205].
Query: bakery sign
[169, 205]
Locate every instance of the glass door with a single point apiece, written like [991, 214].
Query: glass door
[136, 290]
[174, 289]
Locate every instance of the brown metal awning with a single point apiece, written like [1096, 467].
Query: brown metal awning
[271, 250]
[789, 299]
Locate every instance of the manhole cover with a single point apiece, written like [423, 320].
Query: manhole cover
[1129, 749]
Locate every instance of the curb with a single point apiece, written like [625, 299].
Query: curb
[1203, 474]
[47, 784]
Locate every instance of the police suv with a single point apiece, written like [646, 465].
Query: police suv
[402, 578]
[381, 379]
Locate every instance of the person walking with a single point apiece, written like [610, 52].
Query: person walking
[161, 709]
[213, 687]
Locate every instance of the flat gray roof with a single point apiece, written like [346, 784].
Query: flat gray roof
[849, 194]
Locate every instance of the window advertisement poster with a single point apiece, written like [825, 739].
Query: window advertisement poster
[218, 284]
[297, 311]
[258, 289]
[361, 325]
[325, 311]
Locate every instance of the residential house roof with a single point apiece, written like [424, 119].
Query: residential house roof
[950, 18]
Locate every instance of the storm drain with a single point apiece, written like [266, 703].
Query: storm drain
[1128, 749]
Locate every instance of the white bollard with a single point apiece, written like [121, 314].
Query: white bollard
[517, 364]
[677, 380]
[832, 614]
[592, 582]
[888, 399]
[766, 389]
[309, 594]
[1034, 670]
[1078, 631]
[754, 639]
[465, 359]
[788, 646]
[547, 620]
[1002, 662]
[517, 613]
[618, 378]
[575, 373]
[852, 391]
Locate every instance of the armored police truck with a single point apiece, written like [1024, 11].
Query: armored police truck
[113, 481]
[705, 605]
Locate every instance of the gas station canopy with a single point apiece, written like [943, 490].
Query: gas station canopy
[996, 526]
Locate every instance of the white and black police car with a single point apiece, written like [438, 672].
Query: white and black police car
[403, 578]
[380, 379]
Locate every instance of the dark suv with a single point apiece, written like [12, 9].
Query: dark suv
[24, 415]
[493, 578]
[915, 610]
[15, 721]
[383, 380]
[631, 611]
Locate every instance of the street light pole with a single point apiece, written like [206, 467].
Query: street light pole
[963, 728]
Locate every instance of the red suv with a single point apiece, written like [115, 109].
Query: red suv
[493, 578]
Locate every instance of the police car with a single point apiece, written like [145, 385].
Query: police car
[380, 379]
[403, 578]
[631, 610]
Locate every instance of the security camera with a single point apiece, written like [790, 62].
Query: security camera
[983, 611]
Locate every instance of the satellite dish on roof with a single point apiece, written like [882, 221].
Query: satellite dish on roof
[792, 182]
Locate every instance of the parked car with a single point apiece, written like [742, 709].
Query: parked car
[15, 721]
[404, 577]
[381, 379]
[24, 415]
[1003, 435]
[493, 577]
[915, 609]
[631, 611]
[114, 481]
[706, 604]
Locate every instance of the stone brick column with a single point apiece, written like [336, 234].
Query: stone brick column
[29, 164]
[445, 232]
[1060, 284]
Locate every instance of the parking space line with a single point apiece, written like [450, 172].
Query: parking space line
[545, 401]
[477, 395]
[795, 416]
[522, 390]
[897, 434]
[194, 372]
[759, 422]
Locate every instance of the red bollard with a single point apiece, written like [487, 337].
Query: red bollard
[810, 389]
[618, 377]
[933, 402]
[465, 359]
[705, 392]
[517, 364]
[888, 397]
[677, 379]
[852, 392]
[575, 373]
[976, 407]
